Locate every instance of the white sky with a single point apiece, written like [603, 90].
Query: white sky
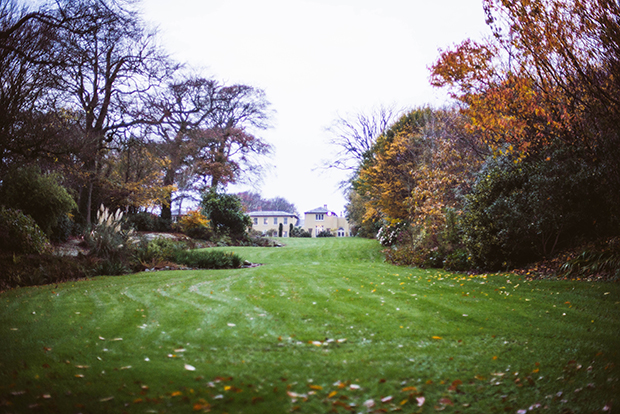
[316, 59]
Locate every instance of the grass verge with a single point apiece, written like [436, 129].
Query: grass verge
[323, 326]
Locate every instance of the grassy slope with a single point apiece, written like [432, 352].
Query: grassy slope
[469, 344]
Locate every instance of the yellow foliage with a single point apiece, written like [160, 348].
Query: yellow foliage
[193, 220]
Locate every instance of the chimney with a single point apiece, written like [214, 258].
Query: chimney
[325, 206]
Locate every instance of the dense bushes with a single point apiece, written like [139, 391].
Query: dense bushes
[20, 233]
[144, 221]
[37, 195]
[299, 232]
[208, 259]
[524, 211]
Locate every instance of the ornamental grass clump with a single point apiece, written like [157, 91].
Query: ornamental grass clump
[110, 243]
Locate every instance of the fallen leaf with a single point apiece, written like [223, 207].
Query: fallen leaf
[79, 376]
[117, 339]
[231, 324]
[316, 387]
[446, 401]
[407, 389]
[354, 387]
[176, 394]
[437, 337]
[420, 401]
[369, 403]
[331, 394]
[106, 399]
[386, 399]
[82, 366]
[189, 367]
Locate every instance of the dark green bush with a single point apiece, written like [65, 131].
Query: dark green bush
[458, 260]
[325, 233]
[39, 269]
[519, 212]
[37, 195]
[19, 233]
[208, 259]
[63, 229]
[225, 214]
[141, 221]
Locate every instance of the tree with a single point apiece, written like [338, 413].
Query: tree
[28, 60]
[225, 214]
[254, 202]
[230, 150]
[204, 133]
[355, 134]
[542, 95]
[111, 62]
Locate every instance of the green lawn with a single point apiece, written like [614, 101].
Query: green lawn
[323, 326]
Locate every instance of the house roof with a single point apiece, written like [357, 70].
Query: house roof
[271, 214]
[318, 210]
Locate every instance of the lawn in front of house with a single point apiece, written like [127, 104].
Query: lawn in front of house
[324, 325]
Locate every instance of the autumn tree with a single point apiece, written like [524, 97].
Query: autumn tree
[542, 95]
[111, 63]
[208, 133]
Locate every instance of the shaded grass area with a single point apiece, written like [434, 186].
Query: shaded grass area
[323, 326]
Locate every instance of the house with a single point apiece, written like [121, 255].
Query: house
[270, 221]
[321, 219]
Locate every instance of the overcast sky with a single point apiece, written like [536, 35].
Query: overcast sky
[316, 60]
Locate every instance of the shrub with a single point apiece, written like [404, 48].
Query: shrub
[325, 233]
[225, 213]
[299, 232]
[195, 225]
[601, 259]
[458, 260]
[19, 233]
[141, 221]
[63, 229]
[208, 259]
[520, 212]
[31, 270]
[390, 233]
[37, 195]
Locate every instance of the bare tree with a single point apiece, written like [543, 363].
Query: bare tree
[27, 129]
[111, 63]
[355, 134]
[206, 132]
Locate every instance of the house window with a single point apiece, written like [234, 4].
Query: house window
[255, 220]
[275, 220]
[285, 220]
[320, 217]
[265, 221]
